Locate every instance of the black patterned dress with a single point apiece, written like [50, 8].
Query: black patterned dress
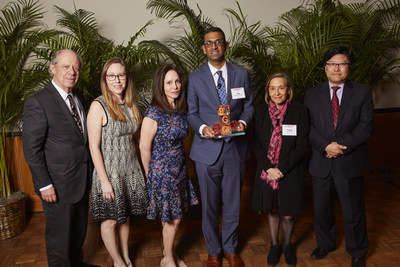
[123, 170]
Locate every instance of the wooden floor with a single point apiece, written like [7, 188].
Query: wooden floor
[383, 218]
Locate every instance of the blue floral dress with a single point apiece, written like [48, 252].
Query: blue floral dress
[170, 190]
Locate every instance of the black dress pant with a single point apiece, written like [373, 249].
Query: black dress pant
[66, 226]
[350, 191]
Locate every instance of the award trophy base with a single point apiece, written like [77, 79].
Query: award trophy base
[230, 132]
[220, 136]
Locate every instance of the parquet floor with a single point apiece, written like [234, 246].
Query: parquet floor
[383, 218]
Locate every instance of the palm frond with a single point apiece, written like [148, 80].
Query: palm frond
[21, 71]
[184, 51]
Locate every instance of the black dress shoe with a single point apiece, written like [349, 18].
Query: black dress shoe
[358, 262]
[319, 253]
[84, 264]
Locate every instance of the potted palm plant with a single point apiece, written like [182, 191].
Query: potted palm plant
[21, 31]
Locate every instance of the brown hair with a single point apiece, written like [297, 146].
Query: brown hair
[116, 112]
[288, 83]
[159, 99]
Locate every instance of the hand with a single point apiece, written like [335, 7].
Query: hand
[240, 126]
[49, 195]
[108, 192]
[208, 132]
[334, 150]
[274, 174]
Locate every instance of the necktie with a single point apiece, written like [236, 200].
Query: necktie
[221, 88]
[222, 94]
[335, 105]
[75, 114]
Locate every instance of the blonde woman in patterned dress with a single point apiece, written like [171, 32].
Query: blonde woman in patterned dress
[118, 187]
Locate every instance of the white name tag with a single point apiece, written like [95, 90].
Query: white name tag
[238, 93]
[289, 130]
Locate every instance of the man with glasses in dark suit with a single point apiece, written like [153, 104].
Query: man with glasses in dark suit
[342, 114]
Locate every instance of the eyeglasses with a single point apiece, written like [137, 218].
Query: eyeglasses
[112, 77]
[216, 43]
[333, 65]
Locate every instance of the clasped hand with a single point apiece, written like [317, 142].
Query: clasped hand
[334, 150]
[274, 174]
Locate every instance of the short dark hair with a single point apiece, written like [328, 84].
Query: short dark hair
[159, 99]
[214, 29]
[336, 50]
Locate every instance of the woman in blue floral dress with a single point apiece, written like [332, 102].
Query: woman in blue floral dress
[161, 147]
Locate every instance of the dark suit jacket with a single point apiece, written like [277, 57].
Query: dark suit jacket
[54, 148]
[354, 127]
[291, 186]
[203, 101]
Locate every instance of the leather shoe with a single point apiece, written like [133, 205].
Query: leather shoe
[358, 262]
[213, 261]
[234, 260]
[84, 264]
[319, 253]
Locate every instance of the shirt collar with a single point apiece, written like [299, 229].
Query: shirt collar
[341, 86]
[60, 91]
[214, 70]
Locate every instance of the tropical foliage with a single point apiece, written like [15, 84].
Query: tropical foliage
[21, 30]
[183, 51]
[297, 43]
[79, 32]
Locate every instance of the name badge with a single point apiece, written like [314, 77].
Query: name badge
[238, 93]
[289, 130]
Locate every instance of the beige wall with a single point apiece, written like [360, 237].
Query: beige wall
[120, 19]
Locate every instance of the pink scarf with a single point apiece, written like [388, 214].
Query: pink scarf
[275, 143]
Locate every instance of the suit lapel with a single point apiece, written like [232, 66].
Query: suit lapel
[346, 100]
[80, 106]
[231, 82]
[210, 85]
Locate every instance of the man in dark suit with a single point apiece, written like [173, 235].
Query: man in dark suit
[55, 147]
[219, 163]
[342, 114]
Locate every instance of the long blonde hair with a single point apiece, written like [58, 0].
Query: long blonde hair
[116, 112]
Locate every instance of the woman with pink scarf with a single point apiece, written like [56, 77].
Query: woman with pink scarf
[280, 142]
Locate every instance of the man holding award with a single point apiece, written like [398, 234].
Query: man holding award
[219, 92]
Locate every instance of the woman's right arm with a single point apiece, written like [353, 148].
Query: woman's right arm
[95, 120]
[147, 134]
